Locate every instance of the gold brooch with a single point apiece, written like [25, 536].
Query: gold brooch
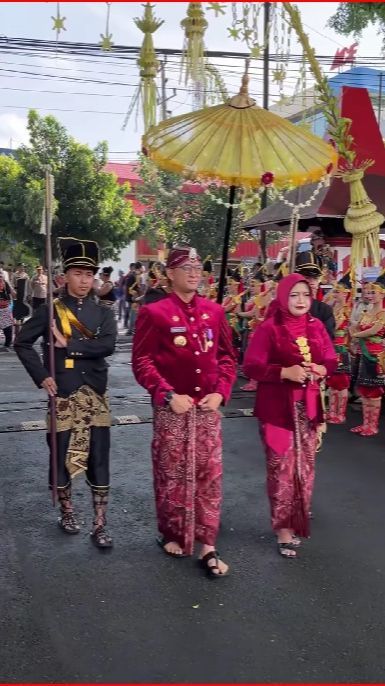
[175, 318]
[205, 316]
[180, 341]
[304, 349]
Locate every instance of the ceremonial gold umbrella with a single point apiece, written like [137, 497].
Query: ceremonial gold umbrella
[238, 144]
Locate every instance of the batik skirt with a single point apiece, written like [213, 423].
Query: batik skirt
[290, 476]
[187, 464]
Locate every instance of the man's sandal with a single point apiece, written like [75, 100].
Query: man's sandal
[68, 523]
[282, 547]
[162, 542]
[210, 569]
[101, 538]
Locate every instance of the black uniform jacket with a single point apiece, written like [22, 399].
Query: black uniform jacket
[90, 366]
[324, 313]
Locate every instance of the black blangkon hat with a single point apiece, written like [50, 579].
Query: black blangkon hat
[79, 253]
[307, 264]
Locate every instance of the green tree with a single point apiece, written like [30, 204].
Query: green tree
[19, 199]
[192, 218]
[90, 204]
[354, 17]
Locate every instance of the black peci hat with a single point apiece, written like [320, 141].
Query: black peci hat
[307, 264]
[78, 253]
[107, 271]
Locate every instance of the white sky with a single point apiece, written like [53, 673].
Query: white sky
[95, 111]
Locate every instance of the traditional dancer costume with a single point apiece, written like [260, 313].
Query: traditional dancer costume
[232, 306]
[253, 316]
[339, 382]
[370, 334]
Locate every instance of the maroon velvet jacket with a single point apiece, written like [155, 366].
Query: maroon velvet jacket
[271, 349]
[195, 369]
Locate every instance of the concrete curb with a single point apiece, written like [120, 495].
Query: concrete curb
[122, 420]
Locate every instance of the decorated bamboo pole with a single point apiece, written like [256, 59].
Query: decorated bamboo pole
[362, 220]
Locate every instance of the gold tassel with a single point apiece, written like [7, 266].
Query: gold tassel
[194, 26]
[362, 221]
[148, 64]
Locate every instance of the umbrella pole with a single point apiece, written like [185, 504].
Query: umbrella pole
[293, 239]
[226, 244]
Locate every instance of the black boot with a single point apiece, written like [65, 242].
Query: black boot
[99, 535]
[67, 520]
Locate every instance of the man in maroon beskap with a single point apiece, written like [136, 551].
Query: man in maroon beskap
[183, 356]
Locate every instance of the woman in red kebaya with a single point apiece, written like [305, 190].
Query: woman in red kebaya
[289, 354]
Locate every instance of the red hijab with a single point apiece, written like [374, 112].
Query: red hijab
[295, 324]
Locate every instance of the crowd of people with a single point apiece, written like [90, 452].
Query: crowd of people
[300, 345]
[20, 295]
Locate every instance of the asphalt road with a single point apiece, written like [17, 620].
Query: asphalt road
[69, 613]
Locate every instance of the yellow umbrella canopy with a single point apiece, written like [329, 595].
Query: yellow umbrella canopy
[237, 143]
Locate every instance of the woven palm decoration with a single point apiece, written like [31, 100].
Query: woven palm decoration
[193, 61]
[148, 65]
[362, 221]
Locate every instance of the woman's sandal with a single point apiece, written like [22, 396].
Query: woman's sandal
[68, 523]
[210, 569]
[287, 546]
[357, 429]
[369, 432]
[296, 541]
[162, 542]
[101, 538]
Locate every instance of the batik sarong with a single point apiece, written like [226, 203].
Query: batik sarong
[290, 477]
[187, 463]
[77, 414]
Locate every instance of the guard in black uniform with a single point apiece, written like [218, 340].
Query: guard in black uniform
[85, 334]
[308, 265]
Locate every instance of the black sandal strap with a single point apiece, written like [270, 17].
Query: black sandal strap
[101, 537]
[286, 546]
[212, 555]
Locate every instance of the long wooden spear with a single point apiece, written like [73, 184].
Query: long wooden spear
[46, 229]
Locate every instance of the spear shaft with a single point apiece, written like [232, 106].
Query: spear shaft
[48, 212]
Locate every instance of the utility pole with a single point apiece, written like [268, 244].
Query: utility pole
[164, 99]
[265, 104]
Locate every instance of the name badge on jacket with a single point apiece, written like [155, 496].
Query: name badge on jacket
[178, 329]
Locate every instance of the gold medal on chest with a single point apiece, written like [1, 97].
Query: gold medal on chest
[210, 344]
[180, 341]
